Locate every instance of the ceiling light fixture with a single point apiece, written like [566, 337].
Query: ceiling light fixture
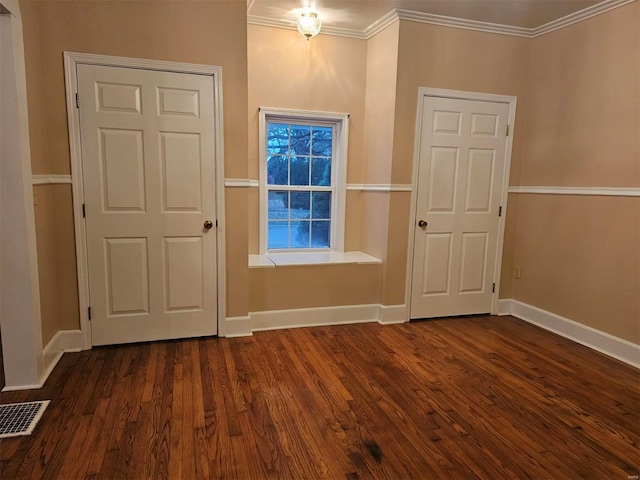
[309, 24]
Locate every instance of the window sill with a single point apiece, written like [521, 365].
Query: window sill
[273, 260]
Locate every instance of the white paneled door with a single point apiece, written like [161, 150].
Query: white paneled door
[148, 156]
[461, 168]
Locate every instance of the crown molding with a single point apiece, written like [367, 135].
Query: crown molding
[365, 34]
[270, 22]
[578, 16]
[418, 17]
[380, 24]
[291, 25]
[443, 21]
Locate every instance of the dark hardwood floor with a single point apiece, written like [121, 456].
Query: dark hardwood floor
[477, 397]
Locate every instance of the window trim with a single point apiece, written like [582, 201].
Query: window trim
[340, 122]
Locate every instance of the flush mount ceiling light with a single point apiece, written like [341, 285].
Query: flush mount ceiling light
[309, 24]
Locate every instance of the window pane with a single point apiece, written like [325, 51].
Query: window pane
[299, 171]
[299, 232]
[321, 205]
[278, 205]
[300, 205]
[301, 159]
[300, 140]
[278, 234]
[321, 171]
[320, 234]
[277, 170]
[322, 141]
[277, 138]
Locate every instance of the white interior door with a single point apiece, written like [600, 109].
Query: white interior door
[461, 168]
[148, 162]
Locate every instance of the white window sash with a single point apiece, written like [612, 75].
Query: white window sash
[340, 124]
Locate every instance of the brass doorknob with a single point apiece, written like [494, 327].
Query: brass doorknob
[422, 224]
[208, 224]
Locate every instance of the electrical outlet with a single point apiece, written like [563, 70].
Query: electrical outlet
[517, 271]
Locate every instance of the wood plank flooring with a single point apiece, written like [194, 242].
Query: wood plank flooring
[475, 397]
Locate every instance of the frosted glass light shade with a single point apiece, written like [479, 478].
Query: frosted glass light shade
[309, 24]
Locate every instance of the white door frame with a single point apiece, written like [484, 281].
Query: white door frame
[71, 60]
[459, 95]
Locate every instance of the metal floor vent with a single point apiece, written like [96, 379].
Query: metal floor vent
[18, 419]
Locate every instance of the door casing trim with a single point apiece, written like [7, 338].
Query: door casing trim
[460, 95]
[71, 61]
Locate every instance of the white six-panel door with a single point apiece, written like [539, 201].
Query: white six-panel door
[147, 142]
[460, 173]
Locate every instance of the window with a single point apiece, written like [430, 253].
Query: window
[302, 180]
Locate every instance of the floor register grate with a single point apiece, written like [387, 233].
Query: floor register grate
[18, 419]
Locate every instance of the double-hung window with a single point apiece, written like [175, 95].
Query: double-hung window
[302, 180]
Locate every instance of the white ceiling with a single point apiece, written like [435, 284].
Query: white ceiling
[360, 14]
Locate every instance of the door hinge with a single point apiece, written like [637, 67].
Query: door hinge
[216, 223]
[500, 211]
[84, 211]
[493, 289]
[89, 311]
[77, 100]
[507, 130]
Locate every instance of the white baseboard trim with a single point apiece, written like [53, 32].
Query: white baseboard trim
[313, 317]
[15, 388]
[390, 314]
[602, 342]
[237, 327]
[63, 341]
[504, 306]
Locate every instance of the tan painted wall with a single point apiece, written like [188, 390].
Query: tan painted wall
[382, 62]
[509, 245]
[65, 250]
[380, 100]
[580, 258]
[394, 281]
[580, 255]
[313, 286]
[47, 273]
[35, 89]
[327, 73]
[382, 72]
[212, 33]
[56, 260]
[450, 58]
[583, 122]
[236, 252]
